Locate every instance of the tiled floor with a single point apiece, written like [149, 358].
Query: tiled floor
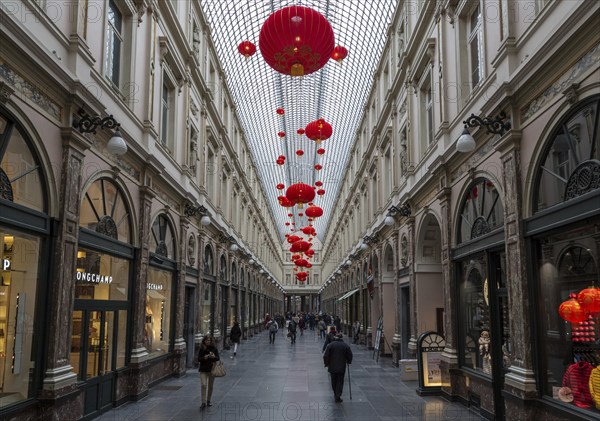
[285, 382]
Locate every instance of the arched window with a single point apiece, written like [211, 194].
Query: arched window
[223, 269]
[21, 178]
[570, 165]
[104, 210]
[234, 274]
[482, 211]
[242, 279]
[208, 261]
[162, 240]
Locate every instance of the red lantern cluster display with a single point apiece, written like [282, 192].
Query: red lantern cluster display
[246, 48]
[296, 40]
[585, 331]
[580, 308]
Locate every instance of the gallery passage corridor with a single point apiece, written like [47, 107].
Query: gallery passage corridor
[289, 382]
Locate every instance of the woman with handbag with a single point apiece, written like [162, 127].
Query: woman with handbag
[207, 357]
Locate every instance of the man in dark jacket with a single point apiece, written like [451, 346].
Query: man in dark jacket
[234, 336]
[337, 355]
[292, 330]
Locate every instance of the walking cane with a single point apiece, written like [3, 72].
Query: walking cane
[349, 382]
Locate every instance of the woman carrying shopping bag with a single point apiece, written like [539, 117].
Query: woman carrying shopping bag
[207, 356]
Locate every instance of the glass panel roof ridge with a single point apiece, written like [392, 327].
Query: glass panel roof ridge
[337, 93]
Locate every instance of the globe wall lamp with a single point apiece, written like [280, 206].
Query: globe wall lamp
[494, 125]
[89, 124]
[348, 262]
[251, 262]
[403, 210]
[190, 210]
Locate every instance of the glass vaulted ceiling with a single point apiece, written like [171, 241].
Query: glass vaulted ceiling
[337, 93]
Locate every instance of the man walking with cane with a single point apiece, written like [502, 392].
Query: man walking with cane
[336, 356]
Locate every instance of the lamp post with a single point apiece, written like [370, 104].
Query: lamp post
[89, 124]
[494, 125]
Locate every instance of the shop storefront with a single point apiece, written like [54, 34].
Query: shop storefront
[25, 232]
[564, 238]
[207, 302]
[482, 305]
[99, 335]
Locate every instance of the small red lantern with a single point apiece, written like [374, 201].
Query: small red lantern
[299, 152]
[290, 214]
[246, 48]
[318, 130]
[280, 111]
[280, 162]
[280, 186]
[308, 265]
[314, 211]
[589, 299]
[286, 203]
[287, 224]
[300, 214]
[571, 311]
[318, 167]
[300, 193]
[320, 192]
[281, 134]
[300, 131]
[296, 40]
[320, 151]
[319, 183]
[339, 53]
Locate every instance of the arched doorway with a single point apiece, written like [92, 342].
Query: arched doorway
[429, 286]
[99, 335]
[388, 299]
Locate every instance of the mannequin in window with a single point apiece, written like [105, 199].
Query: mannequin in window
[148, 331]
[484, 351]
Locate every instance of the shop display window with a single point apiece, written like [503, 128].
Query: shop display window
[158, 311]
[103, 210]
[18, 286]
[101, 276]
[206, 308]
[482, 211]
[20, 174]
[570, 352]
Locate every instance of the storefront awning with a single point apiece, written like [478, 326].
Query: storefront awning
[346, 295]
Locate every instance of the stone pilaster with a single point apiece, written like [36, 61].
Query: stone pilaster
[139, 351]
[59, 378]
[520, 380]
[449, 360]
[180, 348]
[412, 287]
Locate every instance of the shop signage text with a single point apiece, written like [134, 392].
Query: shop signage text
[94, 278]
[155, 287]
[5, 264]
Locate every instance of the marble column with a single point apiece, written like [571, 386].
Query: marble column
[449, 359]
[179, 348]
[520, 380]
[412, 287]
[59, 378]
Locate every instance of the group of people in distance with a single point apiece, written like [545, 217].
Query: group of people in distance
[337, 355]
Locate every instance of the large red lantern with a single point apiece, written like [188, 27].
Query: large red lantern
[300, 246]
[571, 311]
[318, 130]
[302, 276]
[293, 238]
[301, 262]
[339, 53]
[589, 299]
[313, 211]
[310, 252]
[246, 48]
[300, 193]
[308, 230]
[296, 40]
